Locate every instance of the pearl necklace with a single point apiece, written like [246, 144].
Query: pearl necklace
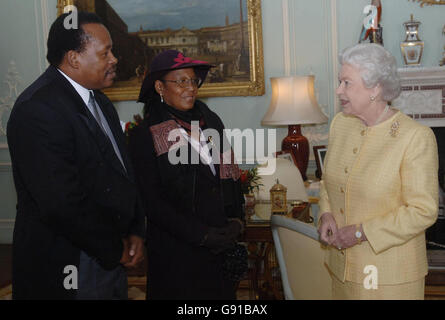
[381, 115]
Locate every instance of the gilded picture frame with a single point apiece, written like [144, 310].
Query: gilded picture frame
[430, 2]
[251, 85]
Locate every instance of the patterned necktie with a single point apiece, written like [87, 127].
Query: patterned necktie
[104, 126]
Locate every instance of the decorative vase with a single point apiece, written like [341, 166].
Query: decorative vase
[249, 204]
[412, 47]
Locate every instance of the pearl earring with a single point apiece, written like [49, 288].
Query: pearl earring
[162, 97]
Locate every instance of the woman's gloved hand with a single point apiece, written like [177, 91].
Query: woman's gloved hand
[220, 239]
[234, 228]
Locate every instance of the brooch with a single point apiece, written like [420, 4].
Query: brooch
[210, 140]
[394, 131]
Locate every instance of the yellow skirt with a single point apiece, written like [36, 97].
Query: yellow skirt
[356, 291]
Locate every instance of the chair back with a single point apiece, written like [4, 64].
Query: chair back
[301, 259]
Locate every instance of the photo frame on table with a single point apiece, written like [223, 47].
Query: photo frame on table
[320, 154]
[208, 30]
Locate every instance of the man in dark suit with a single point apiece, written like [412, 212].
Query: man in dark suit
[79, 221]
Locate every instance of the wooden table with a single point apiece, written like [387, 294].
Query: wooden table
[259, 240]
[435, 279]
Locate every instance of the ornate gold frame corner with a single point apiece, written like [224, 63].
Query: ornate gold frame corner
[429, 2]
[254, 87]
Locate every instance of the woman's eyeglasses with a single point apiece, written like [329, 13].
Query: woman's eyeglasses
[183, 83]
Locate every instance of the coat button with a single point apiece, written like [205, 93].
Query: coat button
[363, 132]
[346, 170]
[355, 150]
[342, 211]
[342, 190]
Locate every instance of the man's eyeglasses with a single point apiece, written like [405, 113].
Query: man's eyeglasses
[184, 83]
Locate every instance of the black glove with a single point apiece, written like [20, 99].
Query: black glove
[233, 229]
[219, 240]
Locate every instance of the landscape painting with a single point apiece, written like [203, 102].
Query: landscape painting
[225, 33]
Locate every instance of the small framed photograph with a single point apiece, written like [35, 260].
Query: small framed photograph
[320, 154]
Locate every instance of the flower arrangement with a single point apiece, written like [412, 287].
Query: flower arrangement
[250, 180]
[132, 124]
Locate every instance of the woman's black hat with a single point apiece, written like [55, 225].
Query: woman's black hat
[167, 61]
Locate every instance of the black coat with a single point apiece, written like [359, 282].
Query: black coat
[182, 201]
[73, 193]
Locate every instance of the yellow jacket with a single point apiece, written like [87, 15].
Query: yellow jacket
[384, 177]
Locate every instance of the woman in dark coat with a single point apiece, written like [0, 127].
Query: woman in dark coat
[192, 199]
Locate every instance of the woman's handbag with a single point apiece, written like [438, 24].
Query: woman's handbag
[235, 263]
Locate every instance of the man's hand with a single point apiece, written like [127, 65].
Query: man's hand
[328, 228]
[125, 254]
[135, 251]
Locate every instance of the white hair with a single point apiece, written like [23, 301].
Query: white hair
[376, 65]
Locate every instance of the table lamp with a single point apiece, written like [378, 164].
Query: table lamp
[293, 103]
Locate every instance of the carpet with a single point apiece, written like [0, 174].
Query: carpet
[6, 293]
[136, 289]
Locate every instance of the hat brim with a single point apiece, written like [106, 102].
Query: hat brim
[147, 88]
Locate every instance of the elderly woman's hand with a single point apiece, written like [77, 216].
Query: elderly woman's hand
[345, 237]
[328, 228]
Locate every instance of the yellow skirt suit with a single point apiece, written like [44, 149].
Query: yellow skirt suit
[384, 177]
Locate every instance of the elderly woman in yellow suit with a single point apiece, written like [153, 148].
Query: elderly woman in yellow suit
[379, 190]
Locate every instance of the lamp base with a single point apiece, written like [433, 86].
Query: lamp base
[298, 145]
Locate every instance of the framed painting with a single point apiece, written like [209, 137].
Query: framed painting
[228, 34]
[430, 2]
[320, 154]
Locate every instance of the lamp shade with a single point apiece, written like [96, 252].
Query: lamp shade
[293, 102]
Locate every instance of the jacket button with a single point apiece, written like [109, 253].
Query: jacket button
[342, 190]
[363, 132]
[355, 150]
[346, 170]
[342, 252]
[342, 211]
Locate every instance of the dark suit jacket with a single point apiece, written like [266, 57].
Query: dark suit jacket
[73, 193]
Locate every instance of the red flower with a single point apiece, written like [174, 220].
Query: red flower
[243, 176]
[249, 180]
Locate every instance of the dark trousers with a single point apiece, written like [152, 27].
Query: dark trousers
[96, 283]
